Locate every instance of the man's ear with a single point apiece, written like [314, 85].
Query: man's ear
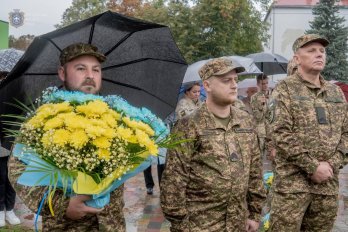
[206, 85]
[61, 73]
[296, 59]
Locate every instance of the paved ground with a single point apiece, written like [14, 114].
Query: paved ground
[143, 213]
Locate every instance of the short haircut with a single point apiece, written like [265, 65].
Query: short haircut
[261, 77]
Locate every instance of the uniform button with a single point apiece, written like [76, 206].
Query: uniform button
[234, 157]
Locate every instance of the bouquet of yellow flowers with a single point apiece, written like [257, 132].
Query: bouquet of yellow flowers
[86, 144]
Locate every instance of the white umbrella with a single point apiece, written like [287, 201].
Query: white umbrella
[251, 82]
[248, 63]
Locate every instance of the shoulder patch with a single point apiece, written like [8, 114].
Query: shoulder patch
[270, 116]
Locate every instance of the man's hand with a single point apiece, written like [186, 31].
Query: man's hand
[78, 209]
[323, 173]
[251, 226]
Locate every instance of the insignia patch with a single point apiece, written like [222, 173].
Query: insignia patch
[16, 18]
[270, 116]
[182, 113]
[243, 130]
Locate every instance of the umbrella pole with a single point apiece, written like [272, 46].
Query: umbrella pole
[275, 59]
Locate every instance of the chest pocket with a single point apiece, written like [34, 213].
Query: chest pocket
[303, 112]
[337, 109]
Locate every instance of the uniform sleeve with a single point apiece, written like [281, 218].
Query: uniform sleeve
[180, 110]
[287, 141]
[340, 158]
[259, 109]
[176, 177]
[256, 192]
[32, 196]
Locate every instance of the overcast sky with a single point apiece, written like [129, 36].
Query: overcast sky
[40, 16]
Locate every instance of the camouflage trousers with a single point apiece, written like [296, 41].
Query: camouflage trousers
[110, 219]
[302, 212]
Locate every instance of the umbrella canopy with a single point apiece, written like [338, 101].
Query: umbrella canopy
[192, 70]
[269, 63]
[144, 64]
[251, 82]
[8, 58]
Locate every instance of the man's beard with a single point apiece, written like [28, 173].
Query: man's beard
[222, 101]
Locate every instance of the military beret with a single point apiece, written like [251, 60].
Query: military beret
[217, 67]
[305, 39]
[79, 49]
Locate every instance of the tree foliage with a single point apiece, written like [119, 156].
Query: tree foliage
[21, 43]
[202, 28]
[329, 24]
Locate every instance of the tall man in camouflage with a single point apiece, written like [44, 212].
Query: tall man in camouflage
[80, 71]
[309, 126]
[213, 183]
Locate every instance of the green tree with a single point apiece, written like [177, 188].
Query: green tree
[328, 24]
[201, 28]
[21, 43]
[82, 9]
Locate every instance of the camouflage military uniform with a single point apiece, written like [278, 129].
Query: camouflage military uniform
[213, 183]
[259, 113]
[110, 219]
[302, 141]
[186, 106]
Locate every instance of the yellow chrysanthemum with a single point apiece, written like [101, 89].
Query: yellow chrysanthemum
[126, 134]
[75, 122]
[110, 133]
[114, 114]
[138, 125]
[94, 131]
[36, 122]
[78, 139]
[46, 139]
[145, 141]
[53, 123]
[103, 154]
[62, 107]
[61, 137]
[93, 109]
[98, 123]
[266, 225]
[101, 142]
[109, 119]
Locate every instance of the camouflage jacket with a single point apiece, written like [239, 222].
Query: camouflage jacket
[110, 219]
[259, 112]
[186, 106]
[213, 183]
[308, 125]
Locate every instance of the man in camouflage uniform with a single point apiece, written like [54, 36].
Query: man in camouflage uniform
[81, 71]
[258, 104]
[309, 126]
[214, 183]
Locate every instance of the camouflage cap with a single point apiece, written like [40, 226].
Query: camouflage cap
[305, 39]
[79, 49]
[217, 67]
[292, 67]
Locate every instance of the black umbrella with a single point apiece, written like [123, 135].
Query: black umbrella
[269, 63]
[144, 65]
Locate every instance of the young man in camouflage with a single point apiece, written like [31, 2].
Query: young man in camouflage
[214, 183]
[309, 126]
[80, 71]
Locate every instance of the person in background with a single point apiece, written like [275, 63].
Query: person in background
[309, 127]
[7, 193]
[213, 182]
[190, 102]
[250, 92]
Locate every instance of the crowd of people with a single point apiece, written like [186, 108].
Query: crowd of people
[213, 182]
